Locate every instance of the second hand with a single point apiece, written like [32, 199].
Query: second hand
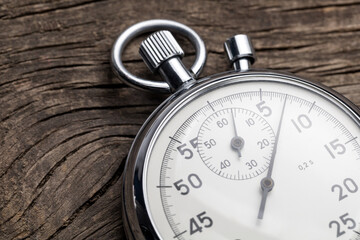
[267, 183]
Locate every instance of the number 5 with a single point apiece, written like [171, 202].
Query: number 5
[204, 218]
[265, 110]
[345, 221]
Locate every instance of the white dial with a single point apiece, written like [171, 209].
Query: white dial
[310, 151]
[235, 143]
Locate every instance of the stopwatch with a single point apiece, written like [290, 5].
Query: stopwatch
[241, 155]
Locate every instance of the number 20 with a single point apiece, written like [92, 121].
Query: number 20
[349, 184]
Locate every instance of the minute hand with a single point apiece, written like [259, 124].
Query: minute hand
[267, 183]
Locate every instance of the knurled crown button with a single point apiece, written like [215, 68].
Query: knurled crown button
[159, 47]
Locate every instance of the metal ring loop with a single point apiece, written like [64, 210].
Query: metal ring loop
[148, 26]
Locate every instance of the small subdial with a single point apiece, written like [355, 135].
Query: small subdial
[236, 143]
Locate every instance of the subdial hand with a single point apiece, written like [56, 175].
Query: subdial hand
[267, 183]
[237, 143]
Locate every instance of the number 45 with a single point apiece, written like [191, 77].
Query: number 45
[201, 219]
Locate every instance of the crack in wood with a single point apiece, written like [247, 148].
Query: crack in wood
[312, 8]
[50, 10]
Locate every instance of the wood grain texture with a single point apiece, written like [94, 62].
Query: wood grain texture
[66, 122]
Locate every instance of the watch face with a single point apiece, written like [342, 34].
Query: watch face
[252, 157]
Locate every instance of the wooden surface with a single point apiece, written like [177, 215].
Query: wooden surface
[66, 122]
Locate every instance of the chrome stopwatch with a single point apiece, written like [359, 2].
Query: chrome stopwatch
[247, 154]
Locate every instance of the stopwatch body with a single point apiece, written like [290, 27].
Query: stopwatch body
[248, 155]
[316, 174]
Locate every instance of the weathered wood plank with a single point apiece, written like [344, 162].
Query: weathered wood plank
[66, 122]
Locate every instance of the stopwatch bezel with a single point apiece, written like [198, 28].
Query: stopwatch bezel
[137, 221]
